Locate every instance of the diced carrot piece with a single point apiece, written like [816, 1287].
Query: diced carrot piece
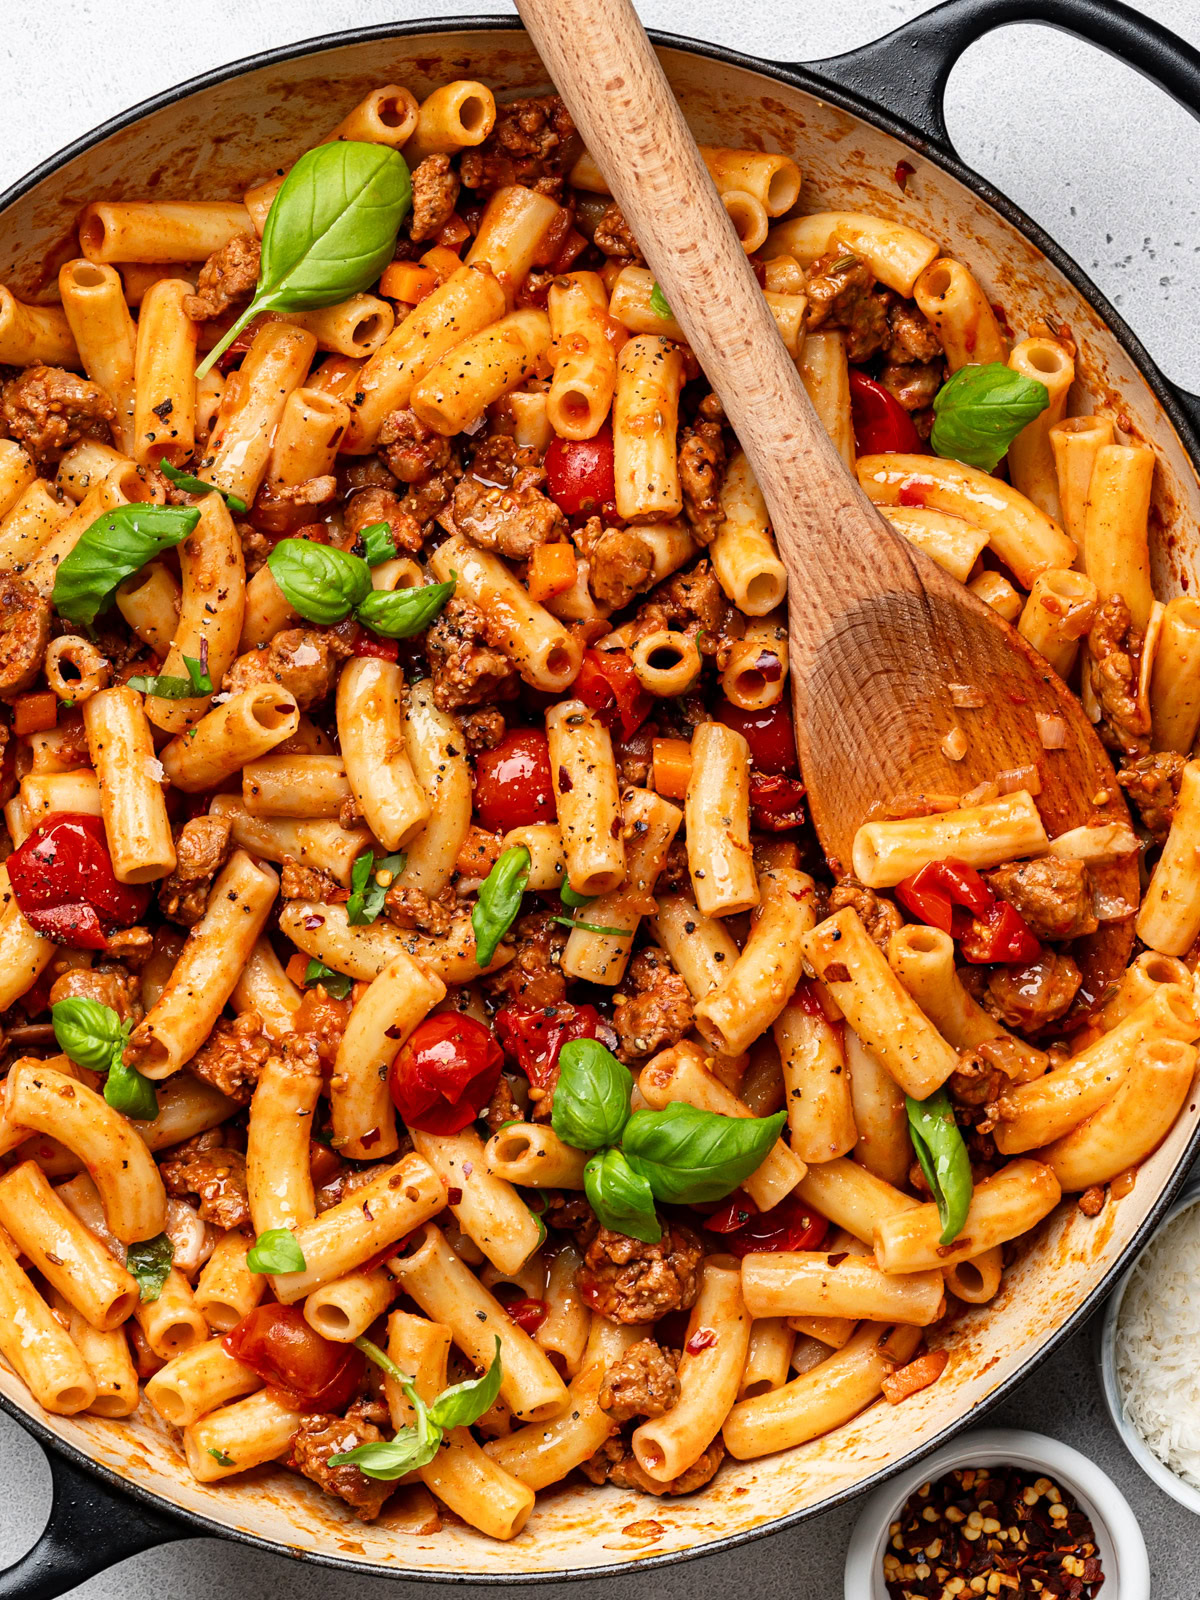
[454, 232]
[552, 568]
[296, 968]
[672, 767]
[441, 261]
[35, 713]
[917, 1375]
[405, 280]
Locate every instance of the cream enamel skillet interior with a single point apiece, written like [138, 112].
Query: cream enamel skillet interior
[213, 139]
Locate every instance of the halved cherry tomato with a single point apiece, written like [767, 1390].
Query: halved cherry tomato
[527, 1314]
[790, 1225]
[776, 802]
[534, 1035]
[63, 881]
[881, 423]
[446, 1073]
[768, 732]
[372, 644]
[579, 473]
[300, 1369]
[512, 782]
[951, 895]
[608, 683]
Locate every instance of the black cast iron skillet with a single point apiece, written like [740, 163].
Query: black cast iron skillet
[898, 84]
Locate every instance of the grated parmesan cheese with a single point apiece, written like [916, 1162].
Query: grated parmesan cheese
[1158, 1332]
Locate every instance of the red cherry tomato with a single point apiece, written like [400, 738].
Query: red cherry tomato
[791, 1225]
[512, 782]
[881, 423]
[776, 802]
[372, 644]
[579, 473]
[527, 1314]
[534, 1035]
[608, 683]
[952, 896]
[63, 881]
[446, 1073]
[300, 1368]
[768, 732]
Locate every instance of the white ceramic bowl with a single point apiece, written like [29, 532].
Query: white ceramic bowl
[1119, 1540]
[1167, 1480]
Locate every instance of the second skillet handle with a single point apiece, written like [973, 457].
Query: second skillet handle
[836, 547]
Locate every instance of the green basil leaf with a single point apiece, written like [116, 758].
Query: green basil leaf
[981, 410]
[378, 544]
[367, 892]
[570, 897]
[168, 687]
[330, 232]
[591, 1097]
[128, 1092]
[336, 984]
[594, 927]
[275, 1251]
[388, 1459]
[190, 485]
[943, 1156]
[220, 1457]
[620, 1197]
[150, 1261]
[114, 547]
[322, 583]
[464, 1403]
[499, 901]
[688, 1156]
[400, 613]
[88, 1032]
[658, 303]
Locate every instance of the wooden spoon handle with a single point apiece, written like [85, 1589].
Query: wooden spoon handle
[836, 546]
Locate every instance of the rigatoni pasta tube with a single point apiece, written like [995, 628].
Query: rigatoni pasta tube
[544, 1452]
[564, 1329]
[756, 988]
[584, 355]
[545, 654]
[950, 541]
[773, 179]
[586, 797]
[547, 860]
[37, 1346]
[323, 930]
[236, 1437]
[164, 409]
[364, 1120]
[149, 602]
[679, 1074]
[823, 1398]
[880, 1116]
[994, 589]
[1133, 1123]
[356, 326]
[1115, 543]
[1058, 613]
[531, 1153]
[645, 419]
[1030, 455]
[122, 1168]
[208, 969]
[962, 314]
[702, 950]
[94, 305]
[447, 1291]
[106, 1355]
[756, 668]
[768, 1357]
[511, 229]
[17, 472]
[825, 373]
[30, 524]
[811, 1283]
[295, 786]
[227, 1290]
[239, 450]
[307, 438]
[159, 230]
[1035, 1113]
[717, 816]
[668, 1445]
[369, 709]
[896, 254]
[1023, 537]
[197, 1381]
[454, 117]
[433, 740]
[884, 853]
[489, 1210]
[387, 116]
[1148, 972]
[454, 394]
[32, 334]
[816, 1083]
[131, 797]
[249, 724]
[345, 1309]
[1175, 680]
[1169, 919]
[649, 825]
[743, 554]
[24, 954]
[312, 842]
[978, 1281]
[278, 1139]
[1003, 1206]
[264, 987]
[1075, 442]
[876, 1006]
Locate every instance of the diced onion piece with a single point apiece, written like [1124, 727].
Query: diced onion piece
[1111, 907]
[981, 795]
[1106, 841]
[1019, 778]
[967, 697]
[1052, 731]
[954, 745]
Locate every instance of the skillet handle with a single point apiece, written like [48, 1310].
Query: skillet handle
[90, 1529]
[906, 72]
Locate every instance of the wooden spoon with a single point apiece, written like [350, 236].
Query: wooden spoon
[878, 633]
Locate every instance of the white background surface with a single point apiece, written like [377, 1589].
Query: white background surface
[1102, 160]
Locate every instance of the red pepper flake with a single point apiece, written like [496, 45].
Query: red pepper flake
[564, 781]
[912, 493]
[454, 1197]
[904, 171]
[702, 1339]
[836, 1259]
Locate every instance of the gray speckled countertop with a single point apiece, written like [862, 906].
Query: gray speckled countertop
[1103, 161]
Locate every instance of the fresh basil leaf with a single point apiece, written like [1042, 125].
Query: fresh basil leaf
[220, 1457]
[88, 1032]
[190, 485]
[572, 898]
[591, 1097]
[330, 232]
[981, 410]
[499, 901]
[322, 583]
[594, 927]
[378, 544]
[335, 984]
[658, 303]
[367, 892]
[388, 1459]
[128, 1092]
[114, 547]
[464, 1403]
[400, 613]
[621, 1198]
[150, 1261]
[276, 1250]
[943, 1157]
[168, 687]
[688, 1156]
